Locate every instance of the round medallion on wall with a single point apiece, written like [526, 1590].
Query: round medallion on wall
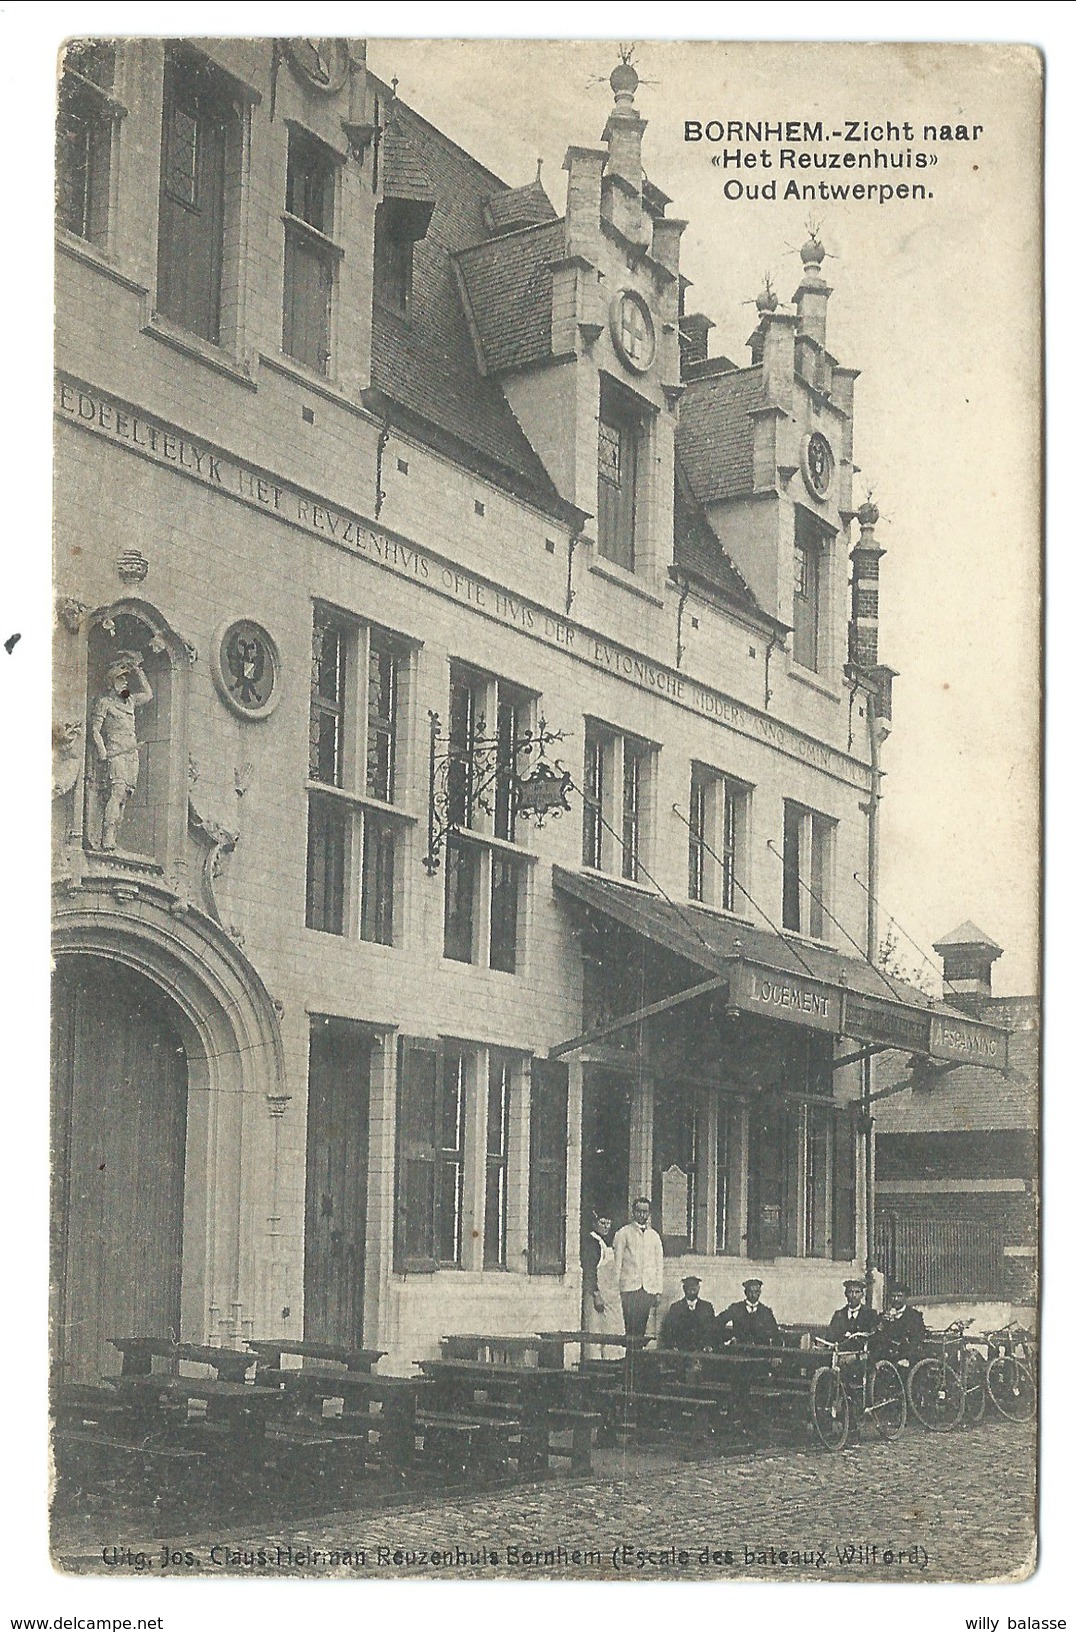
[632, 329]
[818, 464]
[321, 64]
[246, 668]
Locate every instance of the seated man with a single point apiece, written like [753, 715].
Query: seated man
[689, 1322]
[749, 1321]
[854, 1320]
[901, 1335]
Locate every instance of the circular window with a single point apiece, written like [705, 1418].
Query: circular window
[817, 464]
[246, 668]
[633, 331]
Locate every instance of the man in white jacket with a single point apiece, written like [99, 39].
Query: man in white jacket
[640, 1266]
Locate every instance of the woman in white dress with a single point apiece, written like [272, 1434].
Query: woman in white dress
[602, 1311]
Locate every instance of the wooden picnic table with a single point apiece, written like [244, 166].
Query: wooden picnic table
[139, 1353]
[269, 1351]
[546, 1403]
[243, 1407]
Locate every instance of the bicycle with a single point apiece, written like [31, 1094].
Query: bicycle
[852, 1386]
[950, 1387]
[1010, 1374]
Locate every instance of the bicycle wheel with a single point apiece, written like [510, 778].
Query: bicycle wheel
[974, 1386]
[1011, 1387]
[936, 1395]
[887, 1407]
[829, 1409]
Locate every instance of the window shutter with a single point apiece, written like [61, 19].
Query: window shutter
[844, 1184]
[416, 1155]
[549, 1166]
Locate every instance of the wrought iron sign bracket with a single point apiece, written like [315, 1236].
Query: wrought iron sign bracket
[474, 776]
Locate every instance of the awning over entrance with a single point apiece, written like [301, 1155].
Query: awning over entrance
[800, 983]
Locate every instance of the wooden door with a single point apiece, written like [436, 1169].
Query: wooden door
[606, 1146]
[337, 1154]
[119, 1151]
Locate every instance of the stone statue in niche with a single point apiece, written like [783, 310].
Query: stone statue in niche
[112, 727]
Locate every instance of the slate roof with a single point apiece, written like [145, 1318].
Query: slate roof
[967, 934]
[971, 1099]
[699, 551]
[424, 364]
[715, 438]
[509, 288]
[403, 173]
[527, 206]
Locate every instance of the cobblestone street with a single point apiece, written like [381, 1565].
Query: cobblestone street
[925, 1507]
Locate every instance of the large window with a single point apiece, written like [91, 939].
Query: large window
[809, 564]
[617, 776]
[717, 842]
[199, 164]
[310, 255]
[485, 870]
[807, 869]
[354, 828]
[621, 439]
[548, 1167]
[498, 1110]
[85, 122]
[434, 1081]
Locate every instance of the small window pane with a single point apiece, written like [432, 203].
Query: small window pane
[381, 721]
[494, 1254]
[326, 860]
[697, 838]
[378, 867]
[504, 912]
[461, 881]
[630, 829]
[327, 681]
[593, 796]
[450, 1208]
[790, 910]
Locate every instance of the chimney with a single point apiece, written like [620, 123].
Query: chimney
[694, 339]
[863, 628]
[813, 293]
[583, 208]
[967, 955]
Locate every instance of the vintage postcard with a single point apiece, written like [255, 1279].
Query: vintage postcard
[546, 1014]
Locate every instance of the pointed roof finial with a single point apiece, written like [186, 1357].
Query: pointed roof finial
[766, 300]
[538, 177]
[623, 79]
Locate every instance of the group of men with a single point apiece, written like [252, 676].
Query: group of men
[635, 1266]
[691, 1323]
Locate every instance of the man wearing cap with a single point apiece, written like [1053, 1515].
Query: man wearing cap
[854, 1319]
[689, 1322]
[750, 1321]
[901, 1335]
[640, 1267]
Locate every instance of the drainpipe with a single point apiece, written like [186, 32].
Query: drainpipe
[867, 1120]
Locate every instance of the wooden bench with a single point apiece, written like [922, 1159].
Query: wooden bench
[139, 1353]
[270, 1351]
[458, 1442]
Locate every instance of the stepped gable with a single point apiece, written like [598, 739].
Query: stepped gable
[424, 363]
[715, 438]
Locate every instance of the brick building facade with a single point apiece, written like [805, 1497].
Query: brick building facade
[385, 497]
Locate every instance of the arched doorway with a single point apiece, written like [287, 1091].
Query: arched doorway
[119, 1152]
